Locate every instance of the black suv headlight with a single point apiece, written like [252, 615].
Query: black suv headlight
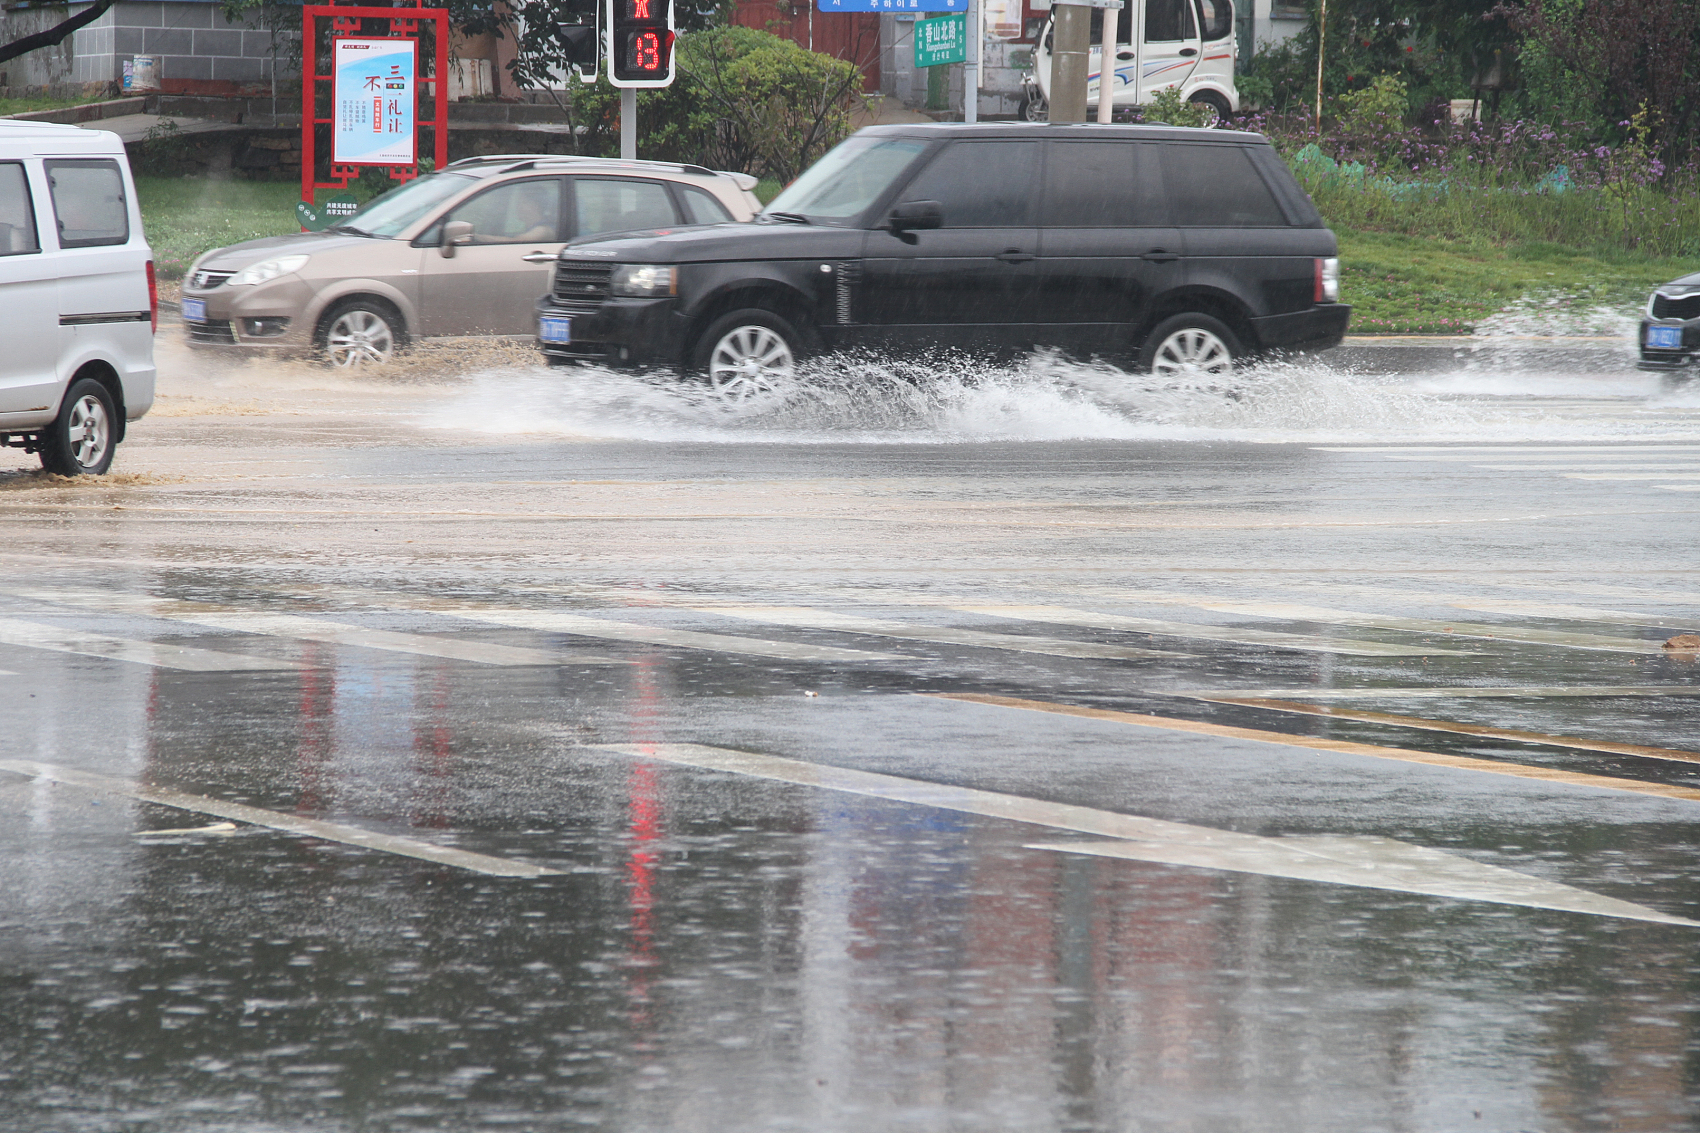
[644, 281]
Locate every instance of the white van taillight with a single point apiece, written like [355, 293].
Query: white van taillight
[1327, 281]
[153, 299]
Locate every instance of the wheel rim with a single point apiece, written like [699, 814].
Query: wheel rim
[1212, 113]
[1035, 110]
[1192, 350]
[749, 361]
[89, 431]
[358, 338]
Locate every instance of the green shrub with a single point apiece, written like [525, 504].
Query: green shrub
[1168, 106]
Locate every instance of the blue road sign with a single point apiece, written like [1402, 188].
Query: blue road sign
[891, 5]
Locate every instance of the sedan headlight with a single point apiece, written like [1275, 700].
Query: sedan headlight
[645, 281]
[268, 269]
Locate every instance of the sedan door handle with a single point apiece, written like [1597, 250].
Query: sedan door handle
[1188, 52]
[1014, 256]
[538, 257]
[1159, 256]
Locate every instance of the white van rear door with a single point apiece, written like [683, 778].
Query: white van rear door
[103, 290]
[29, 295]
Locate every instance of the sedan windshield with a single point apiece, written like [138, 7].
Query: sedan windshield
[840, 186]
[395, 210]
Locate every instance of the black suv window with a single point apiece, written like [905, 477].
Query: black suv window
[981, 184]
[1218, 19]
[1216, 186]
[1101, 185]
[17, 218]
[88, 203]
[1168, 20]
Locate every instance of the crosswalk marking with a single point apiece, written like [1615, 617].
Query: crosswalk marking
[1347, 747]
[1366, 862]
[579, 625]
[1064, 616]
[275, 820]
[1292, 611]
[39, 635]
[803, 617]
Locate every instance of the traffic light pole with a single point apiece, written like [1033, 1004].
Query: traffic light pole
[628, 124]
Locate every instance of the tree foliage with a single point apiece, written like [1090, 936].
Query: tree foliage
[55, 35]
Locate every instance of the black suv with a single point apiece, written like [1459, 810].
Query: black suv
[1670, 328]
[1171, 249]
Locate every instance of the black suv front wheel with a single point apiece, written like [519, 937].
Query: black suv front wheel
[1190, 344]
[746, 354]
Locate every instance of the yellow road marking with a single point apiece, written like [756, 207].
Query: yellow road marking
[1347, 747]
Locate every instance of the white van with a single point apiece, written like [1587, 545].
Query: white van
[1160, 43]
[78, 304]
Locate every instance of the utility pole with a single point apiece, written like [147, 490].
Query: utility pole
[1070, 37]
[1107, 65]
[971, 68]
[1321, 46]
[628, 124]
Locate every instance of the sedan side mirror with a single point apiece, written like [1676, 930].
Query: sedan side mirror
[908, 216]
[455, 233]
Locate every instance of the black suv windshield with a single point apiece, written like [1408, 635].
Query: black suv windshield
[840, 186]
[395, 210]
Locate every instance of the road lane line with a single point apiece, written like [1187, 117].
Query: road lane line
[276, 820]
[1631, 475]
[804, 617]
[296, 626]
[1093, 620]
[1511, 450]
[37, 635]
[1455, 727]
[1371, 863]
[1345, 747]
[1292, 611]
[1434, 693]
[581, 626]
[1560, 612]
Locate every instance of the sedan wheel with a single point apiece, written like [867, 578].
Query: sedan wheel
[749, 361]
[359, 337]
[1192, 350]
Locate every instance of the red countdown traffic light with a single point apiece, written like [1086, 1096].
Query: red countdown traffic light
[641, 40]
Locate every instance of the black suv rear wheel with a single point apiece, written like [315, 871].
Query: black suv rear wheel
[1190, 344]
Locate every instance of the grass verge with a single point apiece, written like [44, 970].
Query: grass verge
[30, 105]
[184, 216]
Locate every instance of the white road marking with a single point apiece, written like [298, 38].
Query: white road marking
[1560, 611]
[1555, 691]
[304, 628]
[1587, 467]
[1510, 450]
[804, 617]
[1632, 475]
[1093, 620]
[579, 625]
[36, 635]
[275, 820]
[1371, 863]
[1290, 611]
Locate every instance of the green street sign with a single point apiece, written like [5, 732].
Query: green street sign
[942, 40]
[334, 211]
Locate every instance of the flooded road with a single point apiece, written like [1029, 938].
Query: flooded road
[932, 746]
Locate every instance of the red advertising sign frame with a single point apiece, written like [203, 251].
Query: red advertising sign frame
[345, 20]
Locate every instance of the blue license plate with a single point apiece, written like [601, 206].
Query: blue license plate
[194, 310]
[1664, 338]
[554, 330]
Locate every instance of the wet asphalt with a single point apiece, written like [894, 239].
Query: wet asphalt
[1011, 752]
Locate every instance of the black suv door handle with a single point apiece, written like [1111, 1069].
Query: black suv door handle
[1015, 256]
[1188, 52]
[1158, 256]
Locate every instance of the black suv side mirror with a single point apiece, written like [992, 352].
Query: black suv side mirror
[908, 216]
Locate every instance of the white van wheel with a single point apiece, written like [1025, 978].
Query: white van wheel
[1214, 106]
[80, 440]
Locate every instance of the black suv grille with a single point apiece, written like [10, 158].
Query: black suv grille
[1664, 307]
[581, 284]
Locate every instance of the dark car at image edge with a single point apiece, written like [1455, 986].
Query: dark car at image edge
[1670, 327]
[1166, 249]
